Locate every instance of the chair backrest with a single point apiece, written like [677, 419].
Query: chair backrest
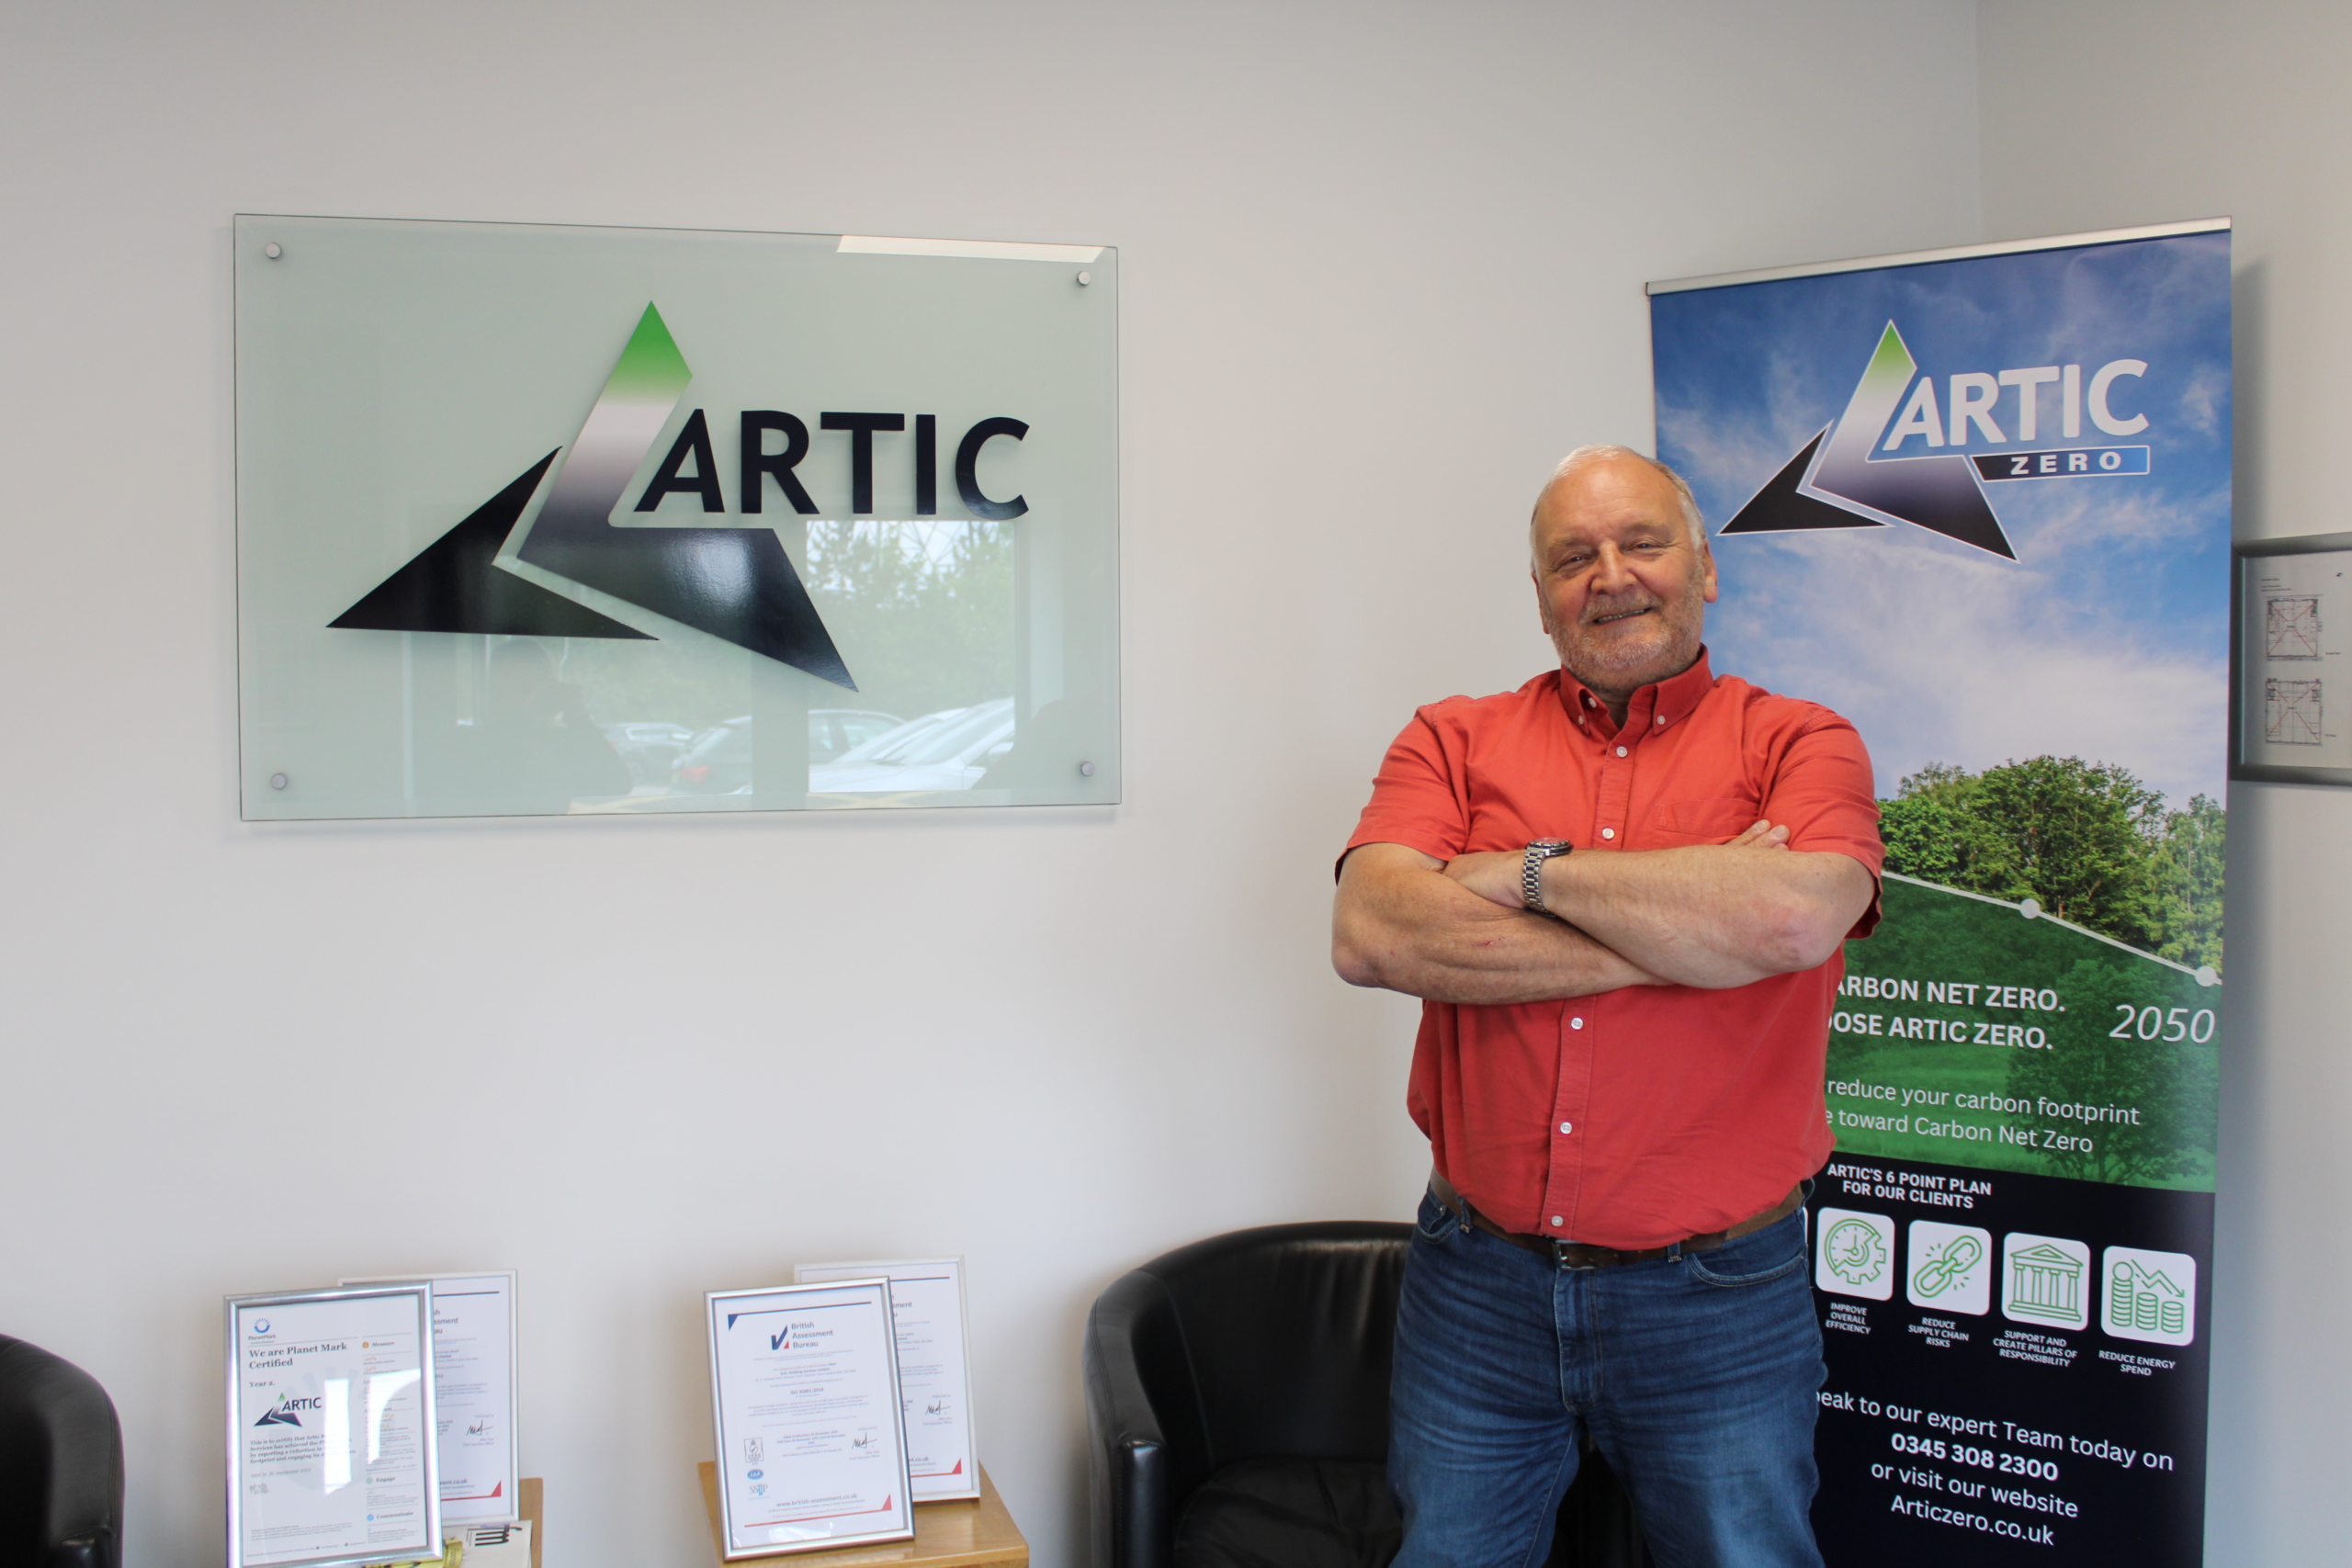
[1288, 1335]
[61, 1464]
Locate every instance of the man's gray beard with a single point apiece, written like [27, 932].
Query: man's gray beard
[1612, 674]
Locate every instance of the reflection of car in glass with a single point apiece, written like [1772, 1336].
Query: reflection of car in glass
[845, 730]
[651, 749]
[891, 740]
[720, 760]
[947, 751]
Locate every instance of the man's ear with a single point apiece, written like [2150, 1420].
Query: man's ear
[1543, 605]
[1707, 566]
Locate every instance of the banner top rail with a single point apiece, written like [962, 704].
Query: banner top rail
[1954, 252]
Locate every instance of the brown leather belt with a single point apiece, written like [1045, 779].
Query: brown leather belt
[1579, 1254]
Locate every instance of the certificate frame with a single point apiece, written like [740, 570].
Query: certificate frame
[261, 1340]
[506, 1495]
[2258, 655]
[964, 1482]
[865, 1334]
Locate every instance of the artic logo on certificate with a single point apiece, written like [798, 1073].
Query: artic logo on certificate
[805, 1405]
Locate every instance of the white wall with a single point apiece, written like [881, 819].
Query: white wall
[1381, 263]
[2107, 112]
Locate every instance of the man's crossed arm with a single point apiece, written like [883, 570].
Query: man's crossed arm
[1711, 916]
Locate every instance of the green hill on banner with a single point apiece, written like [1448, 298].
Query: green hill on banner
[1974, 1031]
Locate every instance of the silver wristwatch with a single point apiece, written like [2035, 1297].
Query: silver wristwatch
[1531, 871]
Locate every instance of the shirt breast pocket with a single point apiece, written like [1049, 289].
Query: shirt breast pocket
[1716, 821]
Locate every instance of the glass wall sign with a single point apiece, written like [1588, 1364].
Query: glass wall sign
[535, 520]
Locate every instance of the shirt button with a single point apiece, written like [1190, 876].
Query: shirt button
[1575, 1024]
[1620, 750]
[1609, 832]
[1661, 718]
[1555, 1221]
[1566, 1127]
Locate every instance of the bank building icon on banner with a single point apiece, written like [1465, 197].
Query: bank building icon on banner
[2046, 1280]
[2150, 1296]
[1857, 1255]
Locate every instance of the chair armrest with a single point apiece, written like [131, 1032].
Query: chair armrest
[1131, 1332]
[62, 1447]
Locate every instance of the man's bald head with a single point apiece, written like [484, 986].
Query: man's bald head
[1586, 456]
[1623, 571]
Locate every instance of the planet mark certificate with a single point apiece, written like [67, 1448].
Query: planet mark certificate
[331, 1413]
[935, 1376]
[805, 1410]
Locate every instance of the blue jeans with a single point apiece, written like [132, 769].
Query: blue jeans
[1696, 1375]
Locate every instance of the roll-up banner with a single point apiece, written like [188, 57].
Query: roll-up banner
[1978, 502]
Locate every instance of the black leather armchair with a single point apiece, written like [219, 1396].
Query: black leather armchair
[1237, 1389]
[61, 1464]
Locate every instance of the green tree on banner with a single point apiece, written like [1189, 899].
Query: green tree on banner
[2185, 905]
[1922, 836]
[2087, 840]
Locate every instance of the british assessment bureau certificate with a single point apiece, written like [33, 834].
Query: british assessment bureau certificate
[331, 1452]
[805, 1405]
[935, 1376]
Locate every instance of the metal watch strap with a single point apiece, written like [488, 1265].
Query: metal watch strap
[1531, 871]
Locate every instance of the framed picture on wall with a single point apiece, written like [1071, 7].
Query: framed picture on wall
[2291, 688]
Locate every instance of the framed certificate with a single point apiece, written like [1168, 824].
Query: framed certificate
[805, 1404]
[2290, 695]
[331, 1452]
[474, 1396]
[934, 1378]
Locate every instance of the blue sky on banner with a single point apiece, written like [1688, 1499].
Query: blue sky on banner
[2108, 639]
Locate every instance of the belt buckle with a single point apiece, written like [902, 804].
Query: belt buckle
[1560, 1255]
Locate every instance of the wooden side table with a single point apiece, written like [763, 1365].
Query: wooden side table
[962, 1534]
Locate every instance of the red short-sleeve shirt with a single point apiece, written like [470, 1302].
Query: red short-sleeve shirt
[1639, 1116]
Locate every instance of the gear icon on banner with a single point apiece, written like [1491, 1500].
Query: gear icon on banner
[1856, 1253]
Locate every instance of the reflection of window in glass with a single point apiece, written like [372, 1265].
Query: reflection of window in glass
[471, 667]
[532, 743]
[283, 688]
[922, 609]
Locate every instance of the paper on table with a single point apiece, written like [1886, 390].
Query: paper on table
[499, 1546]
[927, 1310]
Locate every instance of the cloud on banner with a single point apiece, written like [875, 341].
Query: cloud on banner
[2108, 637]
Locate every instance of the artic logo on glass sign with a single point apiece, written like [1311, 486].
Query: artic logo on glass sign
[756, 424]
[735, 583]
[1891, 457]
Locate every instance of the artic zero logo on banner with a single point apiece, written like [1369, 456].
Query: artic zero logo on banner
[1980, 506]
[1876, 463]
